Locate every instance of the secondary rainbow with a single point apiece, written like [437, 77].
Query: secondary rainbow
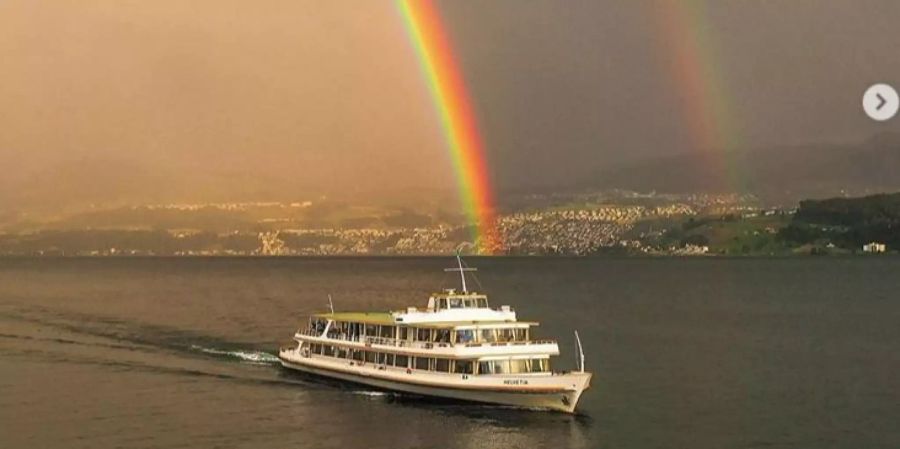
[689, 47]
[451, 99]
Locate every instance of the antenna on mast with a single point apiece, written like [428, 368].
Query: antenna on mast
[462, 270]
[330, 304]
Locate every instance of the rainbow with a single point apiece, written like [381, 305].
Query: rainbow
[448, 89]
[689, 47]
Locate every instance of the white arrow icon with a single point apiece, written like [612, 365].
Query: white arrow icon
[881, 102]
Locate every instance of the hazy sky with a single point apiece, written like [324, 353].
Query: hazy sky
[113, 100]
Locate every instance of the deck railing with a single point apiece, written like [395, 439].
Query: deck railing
[386, 341]
[427, 310]
[309, 332]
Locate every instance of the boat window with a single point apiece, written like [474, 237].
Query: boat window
[341, 353]
[482, 302]
[442, 335]
[463, 366]
[370, 356]
[371, 330]
[465, 336]
[488, 335]
[494, 367]
[422, 363]
[357, 355]
[514, 366]
[442, 303]
[401, 361]
[328, 350]
[520, 366]
[404, 333]
[521, 335]
[387, 331]
[423, 334]
[442, 365]
[455, 303]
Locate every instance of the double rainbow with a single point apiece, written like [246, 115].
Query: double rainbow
[687, 44]
[448, 89]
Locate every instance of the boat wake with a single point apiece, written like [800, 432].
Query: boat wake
[253, 357]
[372, 393]
[73, 334]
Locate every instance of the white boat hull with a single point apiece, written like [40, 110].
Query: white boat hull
[559, 392]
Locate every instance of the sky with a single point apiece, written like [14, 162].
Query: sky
[114, 101]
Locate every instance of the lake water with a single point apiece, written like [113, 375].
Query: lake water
[687, 353]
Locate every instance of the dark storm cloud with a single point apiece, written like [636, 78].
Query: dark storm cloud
[566, 88]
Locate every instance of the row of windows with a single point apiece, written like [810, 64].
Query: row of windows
[433, 363]
[458, 303]
[514, 366]
[491, 335]
[354, 331]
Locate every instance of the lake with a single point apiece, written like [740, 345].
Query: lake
[687, 353]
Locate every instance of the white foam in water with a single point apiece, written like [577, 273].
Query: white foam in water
[371, 393]
[249, 356]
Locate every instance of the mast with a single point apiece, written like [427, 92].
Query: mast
[462, 274]
[580, 353]
[462, 271]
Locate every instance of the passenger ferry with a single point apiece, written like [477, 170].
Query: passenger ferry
[458, 347]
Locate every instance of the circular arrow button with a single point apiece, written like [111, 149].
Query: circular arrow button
[881, 102]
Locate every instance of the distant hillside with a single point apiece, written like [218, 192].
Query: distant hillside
[847, 222]
[227, 217]
[782, 175]
[871, 210]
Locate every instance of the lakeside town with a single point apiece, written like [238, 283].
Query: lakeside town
[617, 222]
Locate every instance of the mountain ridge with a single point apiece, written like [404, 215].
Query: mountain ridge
[778, 174]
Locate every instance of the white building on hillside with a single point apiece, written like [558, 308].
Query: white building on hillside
[874, 247]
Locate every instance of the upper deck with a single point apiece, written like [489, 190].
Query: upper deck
[445, 310]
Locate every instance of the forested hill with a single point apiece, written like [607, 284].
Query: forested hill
[883, 209]
[848, 222]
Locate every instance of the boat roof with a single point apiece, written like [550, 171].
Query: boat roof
[452, 293]
[359, 317]
[449, 324]
[386, 318]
